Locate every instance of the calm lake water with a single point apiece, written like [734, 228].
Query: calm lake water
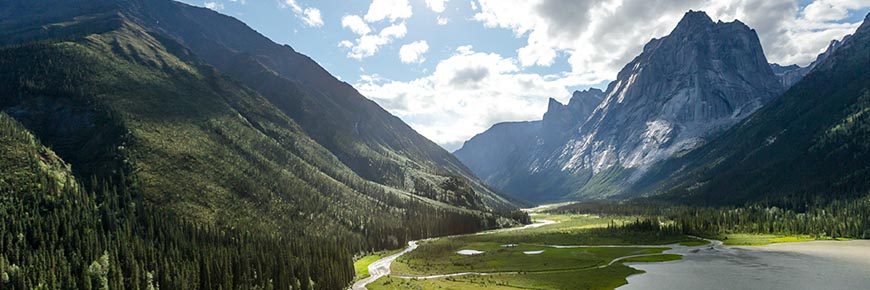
[812, 265]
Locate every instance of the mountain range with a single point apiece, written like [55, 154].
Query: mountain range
[150, 143]
[685, 90]
[809, 145]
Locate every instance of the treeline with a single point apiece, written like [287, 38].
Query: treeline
[831, 219]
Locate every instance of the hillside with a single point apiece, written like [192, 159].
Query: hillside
[54, 233]
[134, 112]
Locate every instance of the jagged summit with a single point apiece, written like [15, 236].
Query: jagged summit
[682, 90]
[694, 18]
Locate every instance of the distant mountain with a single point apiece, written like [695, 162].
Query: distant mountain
[682, 90]
[807, 145]
[502, 154]
[789, 75]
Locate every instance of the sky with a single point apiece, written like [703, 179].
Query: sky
[453, 68]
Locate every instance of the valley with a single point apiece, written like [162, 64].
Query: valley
[572, 251]
[264, 145]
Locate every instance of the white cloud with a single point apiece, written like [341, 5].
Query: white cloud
[413, 52]
[388, 9]
[436, 5]
[465, 94]
[442, 20]
[394, 31]
[356, 24]
[312, 17]
[292, 4]
[600, 37]
[368, 44]
[214, 5]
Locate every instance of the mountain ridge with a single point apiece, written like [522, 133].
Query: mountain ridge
[682, 89]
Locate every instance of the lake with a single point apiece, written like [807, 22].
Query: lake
[808, 265]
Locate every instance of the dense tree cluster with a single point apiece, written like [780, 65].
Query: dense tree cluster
[831, 218]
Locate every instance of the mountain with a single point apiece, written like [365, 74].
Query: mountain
[501, 154]
[373, 143]
[789, 75]
[809, 144]
[681, 91]
[202, 149]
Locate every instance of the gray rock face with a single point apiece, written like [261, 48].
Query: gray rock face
[701, 79]
[680, 91]
[560, 119]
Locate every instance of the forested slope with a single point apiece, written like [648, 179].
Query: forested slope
[186, 174]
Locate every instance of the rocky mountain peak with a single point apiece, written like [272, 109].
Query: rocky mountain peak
[698, 80]
[694, 19]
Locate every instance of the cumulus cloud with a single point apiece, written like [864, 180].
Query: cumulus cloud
[413, 52]
[355, 24]
[214, 5]
[464, 95]
[442, 20]
[599, 37]
[388, 9]
[436, 6]
[369, 43]
[309, 16]
[312, 17]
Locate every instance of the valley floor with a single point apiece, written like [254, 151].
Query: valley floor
[557, 252]
[560, 252]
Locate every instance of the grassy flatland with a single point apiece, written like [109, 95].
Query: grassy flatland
[582, 230]
[510, 268]
[440, 257]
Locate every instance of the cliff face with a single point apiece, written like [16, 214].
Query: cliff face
[679, 92]
[810, 142]
[702, 78]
